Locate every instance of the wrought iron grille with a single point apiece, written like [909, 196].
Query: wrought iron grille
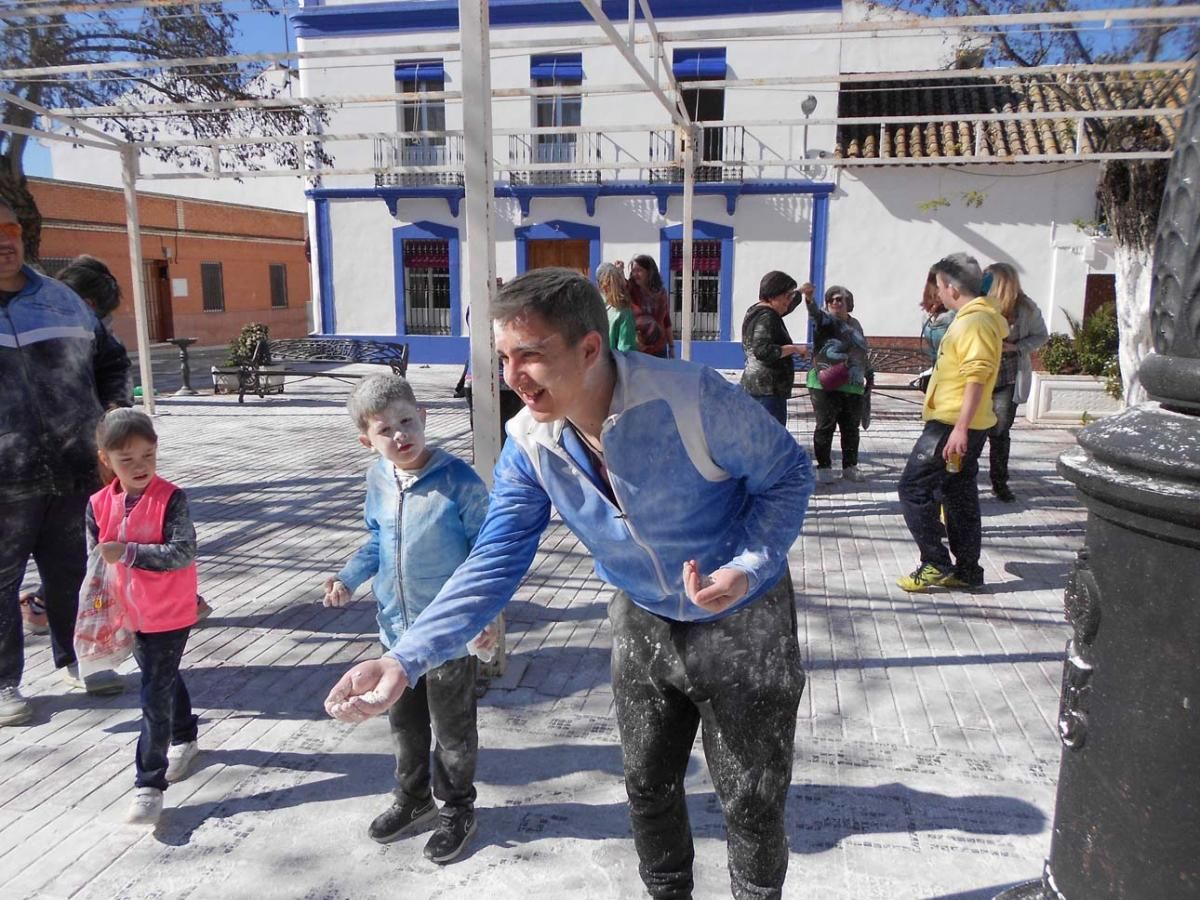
[427, 286]
[706, 289]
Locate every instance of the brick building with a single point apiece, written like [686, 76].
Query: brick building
[210, 267]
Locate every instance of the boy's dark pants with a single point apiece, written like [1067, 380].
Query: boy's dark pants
[166, 707]
[925, 482]
[50, 529]
[441, 706]
[742, 677]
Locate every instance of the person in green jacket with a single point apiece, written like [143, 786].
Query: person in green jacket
[622, 329]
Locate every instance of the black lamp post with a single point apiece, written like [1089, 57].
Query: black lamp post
[1127, 819]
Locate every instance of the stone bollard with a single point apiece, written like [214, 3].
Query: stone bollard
[1127, 818]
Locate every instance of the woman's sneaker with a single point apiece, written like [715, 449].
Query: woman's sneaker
[33, 613]
[99, 684]
[455, 828]
[179, 760]
[146, 807]
[14, 709]
[400, 819]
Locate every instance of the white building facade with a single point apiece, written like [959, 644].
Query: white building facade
[588, 177]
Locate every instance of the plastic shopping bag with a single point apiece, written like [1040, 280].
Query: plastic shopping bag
[103, 626]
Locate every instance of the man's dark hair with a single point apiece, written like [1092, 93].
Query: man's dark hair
[648, 263]
[775, 283]
[566, 301]
[962, 271]
[92, 280]
[119, 426]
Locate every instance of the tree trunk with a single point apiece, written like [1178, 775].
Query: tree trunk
[1133, 316]
[1131, 192]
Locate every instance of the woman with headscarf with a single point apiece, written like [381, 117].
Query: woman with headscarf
[651, 307]
[770, 371]
[622, 330]
[1026, 332]
[837, 381]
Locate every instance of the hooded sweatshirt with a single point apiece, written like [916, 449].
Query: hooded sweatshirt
[968, 354]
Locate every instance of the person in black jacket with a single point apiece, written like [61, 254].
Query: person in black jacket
[770, 370]
[59, 370]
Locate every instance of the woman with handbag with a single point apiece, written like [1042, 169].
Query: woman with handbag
[837, 381]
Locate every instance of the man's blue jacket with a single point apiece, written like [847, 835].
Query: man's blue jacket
[699, 470]
[59, 370]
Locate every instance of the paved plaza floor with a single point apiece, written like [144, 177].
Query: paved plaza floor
[925, 759]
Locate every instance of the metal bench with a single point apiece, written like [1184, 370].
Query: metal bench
[302, 358]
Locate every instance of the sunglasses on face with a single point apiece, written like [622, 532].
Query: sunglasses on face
[10, 230]
[837, 298]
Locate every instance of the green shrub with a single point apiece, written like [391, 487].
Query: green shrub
[241, 348]
[1090, 348]
[1096, 340]
[1058, 355]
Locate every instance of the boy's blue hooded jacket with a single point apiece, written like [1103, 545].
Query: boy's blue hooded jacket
[700, 471]
[417, 538]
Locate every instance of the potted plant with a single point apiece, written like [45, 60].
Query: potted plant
[1081, 378]
[254, 338]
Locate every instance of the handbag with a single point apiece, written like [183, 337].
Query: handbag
[834, 376]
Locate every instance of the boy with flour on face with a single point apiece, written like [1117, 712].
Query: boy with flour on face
[423, 510]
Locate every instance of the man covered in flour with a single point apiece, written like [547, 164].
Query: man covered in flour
[688, 495]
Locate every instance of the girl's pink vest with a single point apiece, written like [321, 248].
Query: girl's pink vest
[162, 601]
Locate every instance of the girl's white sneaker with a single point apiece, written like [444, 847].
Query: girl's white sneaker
[179, 760]
[146, 806]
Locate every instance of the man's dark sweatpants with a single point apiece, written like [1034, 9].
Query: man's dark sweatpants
[925, 482]
[49, 529]
[742, 678]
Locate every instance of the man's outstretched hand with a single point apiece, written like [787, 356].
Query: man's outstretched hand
[715, 593]
[367, 690]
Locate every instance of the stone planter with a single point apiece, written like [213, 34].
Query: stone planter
[1067, 399]
[225, 379]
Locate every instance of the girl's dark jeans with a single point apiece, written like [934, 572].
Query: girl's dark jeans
[741, 677]
[166, 707]
[1004, 406]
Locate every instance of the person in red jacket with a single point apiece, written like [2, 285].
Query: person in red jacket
[141, 526]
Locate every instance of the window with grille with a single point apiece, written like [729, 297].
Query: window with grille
[706, 289]
[52, 265]
[423, 114]
[561, 111]
[212, 286]
[427, 286]
[278, 285]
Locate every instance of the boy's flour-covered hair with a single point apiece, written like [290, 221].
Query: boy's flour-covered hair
[376, 393]
[119, 426]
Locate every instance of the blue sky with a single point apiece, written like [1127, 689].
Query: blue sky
[260, 34]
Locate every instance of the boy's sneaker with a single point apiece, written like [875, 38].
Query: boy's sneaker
[449, 839]
[825, 476]
[203, 609]
[925, 577]
[179, 760]
[99, 684]
[400, 819]
[851, 473]
[146, 807]
[14, 709]
[958, 579]
[33, 613]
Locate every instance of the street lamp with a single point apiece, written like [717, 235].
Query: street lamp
[807, 106]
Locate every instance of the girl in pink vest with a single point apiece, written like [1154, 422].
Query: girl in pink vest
[140, 524]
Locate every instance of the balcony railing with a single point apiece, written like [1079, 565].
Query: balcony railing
[722, 154]
[568, 156]
[441, 154]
